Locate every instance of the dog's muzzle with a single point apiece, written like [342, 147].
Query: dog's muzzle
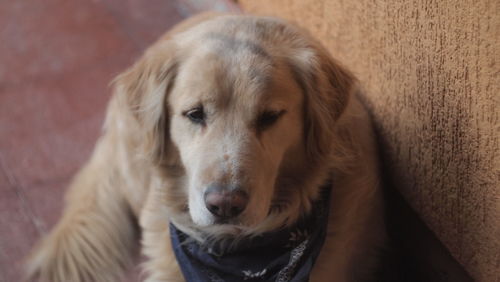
[224, 202]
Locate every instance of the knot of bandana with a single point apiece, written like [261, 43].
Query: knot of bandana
[287, 255]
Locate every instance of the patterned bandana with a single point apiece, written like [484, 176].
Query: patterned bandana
[286, 255]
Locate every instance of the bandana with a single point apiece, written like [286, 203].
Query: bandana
[282, 256]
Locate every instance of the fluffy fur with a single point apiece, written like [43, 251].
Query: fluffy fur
[152, 164]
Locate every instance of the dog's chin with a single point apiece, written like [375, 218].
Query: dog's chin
[211, 221]
[221, 228]
[226, 227]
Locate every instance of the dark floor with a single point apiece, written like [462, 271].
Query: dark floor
[56, 61]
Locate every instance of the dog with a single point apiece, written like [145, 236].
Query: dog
[225, 138]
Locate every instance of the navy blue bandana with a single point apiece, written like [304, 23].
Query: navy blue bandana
[286, 255]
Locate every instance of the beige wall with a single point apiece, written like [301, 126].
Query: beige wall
[431, 74]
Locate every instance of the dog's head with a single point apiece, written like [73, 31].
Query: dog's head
[241, 110]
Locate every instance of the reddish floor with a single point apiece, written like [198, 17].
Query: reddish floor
[56, 60]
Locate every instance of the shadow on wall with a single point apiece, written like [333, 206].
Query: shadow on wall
[413, 254]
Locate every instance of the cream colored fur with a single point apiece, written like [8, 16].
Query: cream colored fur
[152, 163]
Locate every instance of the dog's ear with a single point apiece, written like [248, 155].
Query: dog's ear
[142, 91]
[327, 87]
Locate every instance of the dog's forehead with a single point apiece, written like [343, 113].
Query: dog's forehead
[233, 61]
[222, 43]
[225, 69]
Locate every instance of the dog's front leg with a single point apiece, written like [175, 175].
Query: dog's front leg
[355, 233]
[356, 230]
[156, 245]
[94, 239]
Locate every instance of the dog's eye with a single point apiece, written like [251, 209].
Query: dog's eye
[196, 115]
[268, 118]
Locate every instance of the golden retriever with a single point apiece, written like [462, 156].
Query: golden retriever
[230, 127]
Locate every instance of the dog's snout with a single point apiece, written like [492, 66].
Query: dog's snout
[225, 203]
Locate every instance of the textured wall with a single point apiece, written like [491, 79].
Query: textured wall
[431, 74]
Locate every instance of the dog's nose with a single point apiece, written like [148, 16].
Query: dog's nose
[225, 203]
